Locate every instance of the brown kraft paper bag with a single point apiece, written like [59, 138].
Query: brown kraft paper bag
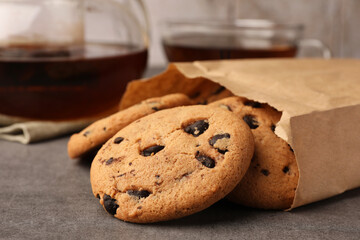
[320, 104]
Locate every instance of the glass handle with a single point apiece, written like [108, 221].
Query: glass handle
[310, 43]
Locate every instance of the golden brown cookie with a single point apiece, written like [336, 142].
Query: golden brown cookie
[100, 131]
[171, 163]
[272, 178]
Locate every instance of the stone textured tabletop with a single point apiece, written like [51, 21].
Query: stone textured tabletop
[46, 195]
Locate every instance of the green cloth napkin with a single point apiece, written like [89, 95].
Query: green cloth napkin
[25, 131]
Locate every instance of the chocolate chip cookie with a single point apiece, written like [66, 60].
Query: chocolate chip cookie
[272, 178]
[100, 131]
[171, 163]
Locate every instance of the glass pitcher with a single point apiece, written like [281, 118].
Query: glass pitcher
[69, 59]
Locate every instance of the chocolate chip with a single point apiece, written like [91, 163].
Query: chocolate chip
[110, 205]
[253, 104]
[139, 194]
[155, 108]
[272, 127]
[104, 128]
[130, 163]
[205, 160]
[227, 107]
[86, 133]
[265, 172]
[197, 128]
[286, 169]
[118, 140]
[251, 121]
[219, 90]
[213, 140]
[109, 161]
[157, 176]
[152, 150]
[98, 196]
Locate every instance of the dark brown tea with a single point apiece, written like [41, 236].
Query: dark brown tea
[68, 85]
[187, 48]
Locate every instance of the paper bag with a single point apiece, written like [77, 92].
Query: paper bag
[319, 99]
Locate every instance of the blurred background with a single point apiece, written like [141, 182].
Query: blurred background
[80, 55]
[335, 22]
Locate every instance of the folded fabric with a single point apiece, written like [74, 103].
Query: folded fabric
[28, 131]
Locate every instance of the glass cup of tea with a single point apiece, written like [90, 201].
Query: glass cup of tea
[185, 41]
[69, 59]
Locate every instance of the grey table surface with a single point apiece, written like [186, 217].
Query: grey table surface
[46, 195]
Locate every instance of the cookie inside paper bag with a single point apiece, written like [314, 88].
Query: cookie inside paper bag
[200, 90]
[272, 178]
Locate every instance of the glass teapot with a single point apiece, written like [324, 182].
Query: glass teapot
[69, 59]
